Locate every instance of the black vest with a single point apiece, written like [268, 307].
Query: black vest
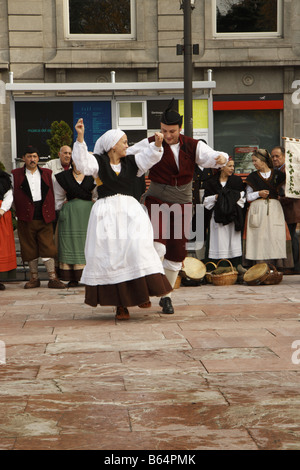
[73, 189]
[112, 184]
[272, 184]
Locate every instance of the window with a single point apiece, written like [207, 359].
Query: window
[248, 18]
[100, 19]
[235, 132]
[132, 114]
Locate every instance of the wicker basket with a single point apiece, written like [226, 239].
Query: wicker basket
[274, 276]
[226, 278]
[208, 273]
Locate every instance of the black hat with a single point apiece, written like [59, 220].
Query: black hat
[170, 116]
[30, 149]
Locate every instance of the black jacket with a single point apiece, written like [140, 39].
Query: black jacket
[226, 209]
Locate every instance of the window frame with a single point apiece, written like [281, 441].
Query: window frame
[129, 123]
[247, 35]
[100, 37]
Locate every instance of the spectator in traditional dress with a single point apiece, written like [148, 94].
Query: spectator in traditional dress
[73, 199]
[8, 258]
[225, 198]
[35, 210]
[291, 209]
[267, 235]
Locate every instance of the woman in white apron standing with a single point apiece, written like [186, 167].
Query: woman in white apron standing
[266, 236]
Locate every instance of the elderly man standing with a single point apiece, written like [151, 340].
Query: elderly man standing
[35, 210]
[291, 208]
[57, 165]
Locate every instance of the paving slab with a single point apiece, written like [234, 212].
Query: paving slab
[222, 373]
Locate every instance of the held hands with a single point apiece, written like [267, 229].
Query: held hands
[158, 139]
[80, 130]
[264, 193]
[2, 212]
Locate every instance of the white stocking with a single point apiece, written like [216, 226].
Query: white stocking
[171, 276]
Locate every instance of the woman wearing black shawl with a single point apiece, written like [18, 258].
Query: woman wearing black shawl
[8, 259]
[224, 197]
[266, 233]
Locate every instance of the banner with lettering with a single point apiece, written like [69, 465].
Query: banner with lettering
[292, 167]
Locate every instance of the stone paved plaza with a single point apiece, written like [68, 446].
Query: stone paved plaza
[222, 373]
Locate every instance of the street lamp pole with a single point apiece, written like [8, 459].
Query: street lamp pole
[188, 68]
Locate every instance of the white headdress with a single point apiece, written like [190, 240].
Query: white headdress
[107, 141]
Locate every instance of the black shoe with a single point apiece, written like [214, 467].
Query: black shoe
[2, 286]
[166, 304]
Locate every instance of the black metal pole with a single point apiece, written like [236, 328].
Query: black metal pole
[188, 69]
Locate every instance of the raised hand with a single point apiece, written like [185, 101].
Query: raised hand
[158, 139]
[80, 130]
[221, 160]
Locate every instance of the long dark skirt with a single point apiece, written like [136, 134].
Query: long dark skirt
[129, 293]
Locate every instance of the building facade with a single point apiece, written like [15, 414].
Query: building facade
[251, 46]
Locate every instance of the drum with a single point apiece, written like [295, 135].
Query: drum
[257, 274]
[193, 268]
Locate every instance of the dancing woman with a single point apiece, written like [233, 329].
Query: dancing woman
[122, 268]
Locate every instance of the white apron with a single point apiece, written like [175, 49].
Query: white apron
[119, 244]
[224, 240]
[266, 234]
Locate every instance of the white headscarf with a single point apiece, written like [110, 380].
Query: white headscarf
[107, 141]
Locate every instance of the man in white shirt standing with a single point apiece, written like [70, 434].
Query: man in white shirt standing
[35, 211]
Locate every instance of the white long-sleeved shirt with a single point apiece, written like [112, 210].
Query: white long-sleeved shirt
[205, 155]
[87, 164]
[34, 181]
[7, 201]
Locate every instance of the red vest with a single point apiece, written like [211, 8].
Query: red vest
[166, 171]
[23, 199]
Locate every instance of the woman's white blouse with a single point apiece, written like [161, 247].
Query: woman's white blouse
[7, 200]
[87, 164]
